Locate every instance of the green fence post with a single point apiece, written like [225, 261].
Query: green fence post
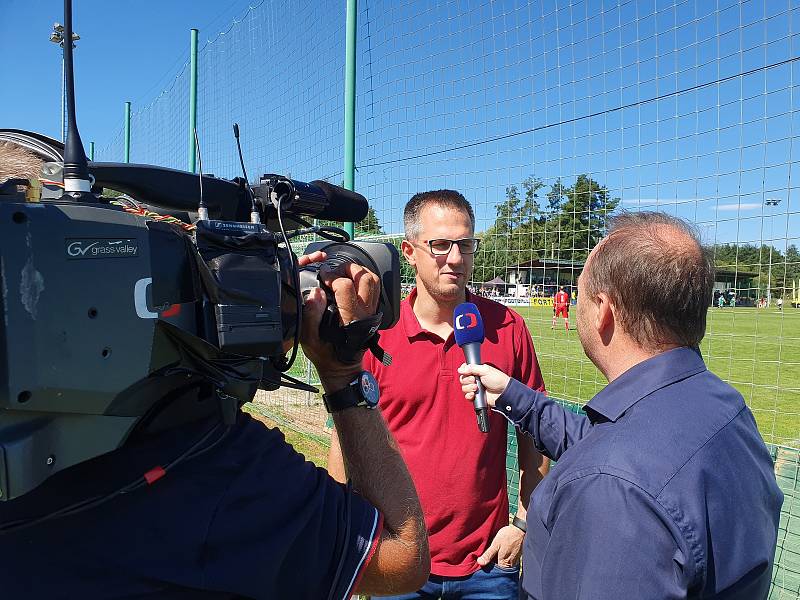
[192, 98]
[350, 103]
[91, 150]
[127, 132]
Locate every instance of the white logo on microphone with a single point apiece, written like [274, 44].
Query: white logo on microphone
[473, 321]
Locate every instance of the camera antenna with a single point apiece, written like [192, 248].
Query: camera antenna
[77, 181]
[254, 216]
[202, 211]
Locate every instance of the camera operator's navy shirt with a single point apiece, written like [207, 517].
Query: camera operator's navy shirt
[663, 490]
[250, 518]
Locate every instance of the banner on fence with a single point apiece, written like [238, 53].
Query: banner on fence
[514, 301]
[541, 301]
[511, 300]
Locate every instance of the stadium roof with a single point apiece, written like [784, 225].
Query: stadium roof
[732, 274]
[495, 281]
[727, 274]
[550, 263]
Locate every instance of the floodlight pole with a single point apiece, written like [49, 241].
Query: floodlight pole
[127, 141]
[770, 202]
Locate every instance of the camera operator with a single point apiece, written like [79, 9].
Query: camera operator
[244, 515]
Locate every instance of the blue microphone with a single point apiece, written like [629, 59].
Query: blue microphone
[468, 330]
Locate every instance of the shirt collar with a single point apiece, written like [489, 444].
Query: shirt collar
[409, 319]
[642, 380]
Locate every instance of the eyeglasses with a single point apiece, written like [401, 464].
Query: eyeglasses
[442, 247]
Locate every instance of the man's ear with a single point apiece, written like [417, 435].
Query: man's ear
[604, 315]
[408, 252]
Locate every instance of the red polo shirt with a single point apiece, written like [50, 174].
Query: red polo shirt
[460, 473]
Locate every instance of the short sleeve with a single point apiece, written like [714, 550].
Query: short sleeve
[284, 528]
[526, 367]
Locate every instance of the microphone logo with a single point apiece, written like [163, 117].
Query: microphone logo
[470, 317]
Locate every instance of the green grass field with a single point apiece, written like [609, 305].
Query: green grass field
[755, 350]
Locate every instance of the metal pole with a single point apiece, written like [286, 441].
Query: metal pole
[770, 202]
[57, 37]
[350, 103]
[769, 273]
[91, 150]
[63, 99]
[127, 132]
[192, 98]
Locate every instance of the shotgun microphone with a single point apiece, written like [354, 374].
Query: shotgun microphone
[468, 330]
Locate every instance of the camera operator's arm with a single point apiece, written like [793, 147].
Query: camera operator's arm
[401, 561]
[335, 459]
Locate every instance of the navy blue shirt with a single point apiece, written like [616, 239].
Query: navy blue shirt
[250, 518]
[663, 489]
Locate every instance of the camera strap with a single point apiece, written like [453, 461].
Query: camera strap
[350, 340]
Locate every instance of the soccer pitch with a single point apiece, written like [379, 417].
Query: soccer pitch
[755, 350]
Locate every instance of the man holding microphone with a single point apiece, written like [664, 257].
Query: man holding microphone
[664, 488]
[458, 470]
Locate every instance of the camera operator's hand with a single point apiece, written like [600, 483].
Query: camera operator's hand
[356, 290]
[401, 560]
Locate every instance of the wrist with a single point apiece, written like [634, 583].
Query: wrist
[338, 379]
[519, 524]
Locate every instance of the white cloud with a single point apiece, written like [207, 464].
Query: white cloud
[666, 202]
[736, 207]
[659, 201]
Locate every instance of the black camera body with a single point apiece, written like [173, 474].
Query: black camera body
[105, 315]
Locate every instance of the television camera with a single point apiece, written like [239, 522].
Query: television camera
[119, 311]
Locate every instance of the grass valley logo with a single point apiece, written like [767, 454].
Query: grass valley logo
[104, 248]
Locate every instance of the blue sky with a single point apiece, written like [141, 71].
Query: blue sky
[475, 95]
[128, 51]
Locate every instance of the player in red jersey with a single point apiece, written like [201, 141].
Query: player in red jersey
[561, 307]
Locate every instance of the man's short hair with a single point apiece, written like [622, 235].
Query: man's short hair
[658, 275]
[443, 198]
[18, 163]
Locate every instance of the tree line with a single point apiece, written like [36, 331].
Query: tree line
[565, 221]
[771, 267]
[562, 222]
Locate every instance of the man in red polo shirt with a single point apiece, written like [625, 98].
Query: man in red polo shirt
[459, 472]
[561, 307]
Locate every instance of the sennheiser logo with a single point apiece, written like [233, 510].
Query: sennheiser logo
[229, 226]
[106, 248]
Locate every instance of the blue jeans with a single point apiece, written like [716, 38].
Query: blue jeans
[488, 583]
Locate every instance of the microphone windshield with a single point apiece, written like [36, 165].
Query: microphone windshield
[467, 324]
[342, 204]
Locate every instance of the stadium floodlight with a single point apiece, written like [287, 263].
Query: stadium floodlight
[772, 201]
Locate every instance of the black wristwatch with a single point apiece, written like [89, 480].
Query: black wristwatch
[520, 524]
[362, 391]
